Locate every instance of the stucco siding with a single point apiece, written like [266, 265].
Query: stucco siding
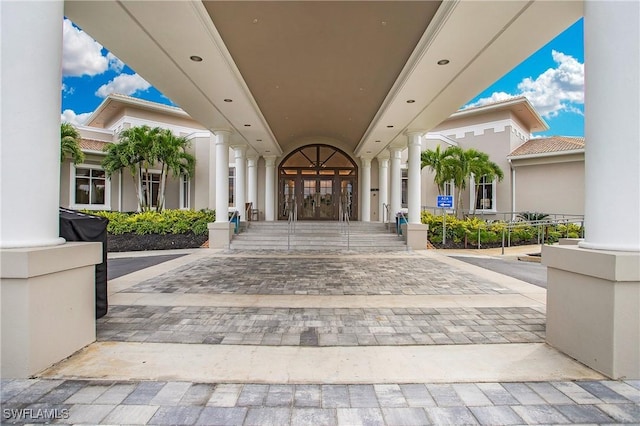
[551, 188]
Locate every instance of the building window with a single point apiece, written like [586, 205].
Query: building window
[448, 188]
[185, 192]
[151, 182]
[484, 196]
[405, 187]
[89, 187]
[232, 185]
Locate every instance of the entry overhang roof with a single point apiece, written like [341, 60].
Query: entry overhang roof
[339, 70]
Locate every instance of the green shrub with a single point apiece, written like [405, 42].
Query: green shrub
[165, 222]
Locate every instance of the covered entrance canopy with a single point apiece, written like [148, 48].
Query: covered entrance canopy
[320, 181]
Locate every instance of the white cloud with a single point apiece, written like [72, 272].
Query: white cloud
[115, 64]
[81, 55]
[126, 84]
[66, 90]
[69, 116]
[554, 91]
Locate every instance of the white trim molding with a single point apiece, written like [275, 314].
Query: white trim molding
[72, 189]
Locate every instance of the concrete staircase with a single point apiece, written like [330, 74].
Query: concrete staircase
[311, 235]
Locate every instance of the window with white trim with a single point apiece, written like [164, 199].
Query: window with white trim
[232, 185]
[448, 188]
[185, 192]
[484, 195]
[151, 182]
[405, 188]
[90, 187]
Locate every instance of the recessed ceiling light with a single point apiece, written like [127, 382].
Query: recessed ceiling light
[443, 62]
[195, 58]
[255, 21]
[228, 100]
[377, 141]
[410, 101]
[368, 152]
[267, 150]
[247, 125]
[258, 140]
[390, 127]
[384, 23]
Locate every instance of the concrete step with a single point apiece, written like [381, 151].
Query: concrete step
[315, 235]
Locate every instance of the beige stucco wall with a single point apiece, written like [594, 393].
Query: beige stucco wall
[551, 187]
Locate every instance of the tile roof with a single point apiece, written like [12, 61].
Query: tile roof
[92, 144]
[553, 144]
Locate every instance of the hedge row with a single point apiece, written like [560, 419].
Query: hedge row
[466, 231]
[165, 222]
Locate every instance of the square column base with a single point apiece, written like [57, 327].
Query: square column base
[416, 235]
[220, 234]
[48, 305]
[593, 307]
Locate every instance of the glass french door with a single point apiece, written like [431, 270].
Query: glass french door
[317, 199]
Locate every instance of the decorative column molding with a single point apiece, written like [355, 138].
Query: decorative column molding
[414, 139]
[222, 175]
[365, 199]
[270, 188]
[395, 190]
[252, 180]
[383, 185]
[240, 184]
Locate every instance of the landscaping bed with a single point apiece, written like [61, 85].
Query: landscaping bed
[135, 242]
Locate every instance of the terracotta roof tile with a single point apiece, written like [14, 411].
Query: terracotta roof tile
[92, 144]
[548, 145]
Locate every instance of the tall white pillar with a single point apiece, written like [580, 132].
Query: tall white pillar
[252, 181]
[396, 181]
[241, 174]
[383, 185]
[413, 184]
[212, 171]
[31, 76]
[593, 289]
[48, 287]
[365, 199]
[612, 134]
[222, 175]
[269, 188]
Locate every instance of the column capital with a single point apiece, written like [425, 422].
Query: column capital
[270, 160]
[366, 161]
[239, 150]
[252, 160]
[395, 152]
[223, 133]
[383, 161]
[414, 136]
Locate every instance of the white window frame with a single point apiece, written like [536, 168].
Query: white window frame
[232, 189]
[72, 189]
[156, 172]
[494, 196]
[185, 198]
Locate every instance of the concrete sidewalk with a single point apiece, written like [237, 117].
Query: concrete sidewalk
[217, 337]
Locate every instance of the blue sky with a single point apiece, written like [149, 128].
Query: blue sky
[552, 79]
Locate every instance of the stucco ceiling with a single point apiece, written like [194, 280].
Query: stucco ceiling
[357, 72]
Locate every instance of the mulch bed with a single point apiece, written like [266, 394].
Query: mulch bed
[135, 242]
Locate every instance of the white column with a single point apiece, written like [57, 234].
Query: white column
[222, 175]
[30, 135]
[212, 172]
[252, 181]
[269, 188]
[365, 199]
[241, 174]
[396, 181]
[413, 184]
[612, 134]
[383, 185]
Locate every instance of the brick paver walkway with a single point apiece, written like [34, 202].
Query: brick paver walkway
[183, 403]
[169, 401]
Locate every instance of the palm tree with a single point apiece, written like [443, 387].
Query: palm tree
[70, 144]
[462, 164]
[170, 152]
[434, 159]
[140, 148]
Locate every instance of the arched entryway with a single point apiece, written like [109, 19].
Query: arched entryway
[317, 179]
